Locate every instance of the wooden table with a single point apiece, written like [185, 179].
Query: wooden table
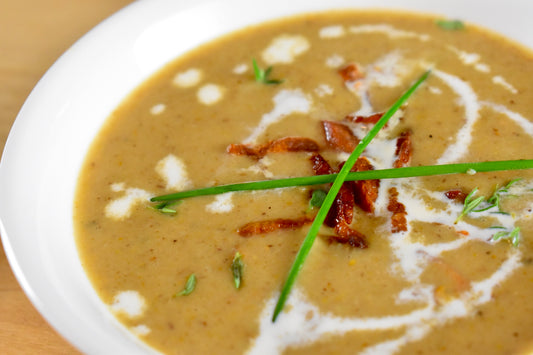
[33, 34]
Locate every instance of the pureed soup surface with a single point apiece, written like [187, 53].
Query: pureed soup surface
[394, 270]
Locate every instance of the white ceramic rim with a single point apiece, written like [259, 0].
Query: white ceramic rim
[49, 139]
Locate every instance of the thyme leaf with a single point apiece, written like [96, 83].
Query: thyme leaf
[317, 198]
[470, 204]
[190, 285]
[263, 76]
[237, 267]
[512, 236]
[495, 199]
[450, 25]
[164, 207]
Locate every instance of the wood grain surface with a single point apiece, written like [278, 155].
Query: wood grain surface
[33, 34]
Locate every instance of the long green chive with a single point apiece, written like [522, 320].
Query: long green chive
[305, 248]
[412, 171]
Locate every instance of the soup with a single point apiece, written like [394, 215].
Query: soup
[400, 266]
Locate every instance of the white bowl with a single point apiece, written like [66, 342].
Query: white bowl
[56, 125]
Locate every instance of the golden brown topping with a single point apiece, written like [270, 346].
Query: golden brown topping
[339, 136]
[456, 195]
[398, 219]
[403, 150]
[268, 226]
[365, 191]
[320, 165]
[347, 235]
[351, 72]
[286, 144]
[372, 119]
[342, 209]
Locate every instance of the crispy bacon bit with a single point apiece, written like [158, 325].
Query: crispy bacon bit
[347, 235]
[241, 149]
[372, 119]
[365, 191]
[351, 72]
[339, 136]
[320, 165]
[268, 226]
[342, 209]
[398, 219]
[286, 144]
[341, 212]
[456, 195]
[403, 150]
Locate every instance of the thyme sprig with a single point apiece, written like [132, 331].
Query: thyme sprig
[263, 75]
[494, 201]
[512, 236]
[470, 204]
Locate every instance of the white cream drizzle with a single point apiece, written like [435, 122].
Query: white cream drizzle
[188, 78]
[334, 61]
[240, 68]
[130, 303]
[295, 327]
[210, 94]
[285, 48]
[523, 122]
[286, 102]
[323, 90]
[174, 172]
[334, 31]
[122, 207]
[470, 59]
[223, 203]
[469, 100]
[141, 330]
[500, 80]
[388, 30]
[158, 109]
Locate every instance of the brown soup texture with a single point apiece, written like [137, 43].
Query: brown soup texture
[400, 266]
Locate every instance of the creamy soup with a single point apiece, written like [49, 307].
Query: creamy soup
[398, 268]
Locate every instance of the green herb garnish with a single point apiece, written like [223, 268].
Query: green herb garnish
[396, 173]
[470, 204]
[495, 199]
[263, 76]
[317, 198]
[164, 207]
[189, 286]
[512, 236]
[305, 248]
[237, 267]
[450, 25]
